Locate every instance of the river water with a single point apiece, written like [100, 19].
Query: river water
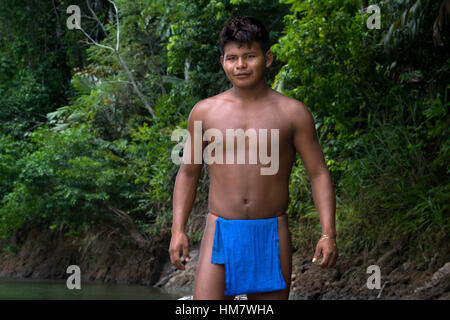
[31, 289]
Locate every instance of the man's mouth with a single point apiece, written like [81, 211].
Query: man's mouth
[242, 75]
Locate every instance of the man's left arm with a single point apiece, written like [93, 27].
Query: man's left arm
[307, 145]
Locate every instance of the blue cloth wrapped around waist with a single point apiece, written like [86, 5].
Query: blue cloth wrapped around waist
[249, 249]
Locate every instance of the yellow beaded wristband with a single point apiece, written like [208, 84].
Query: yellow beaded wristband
[325, 236]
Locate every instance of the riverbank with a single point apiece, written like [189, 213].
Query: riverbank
[347, 280]
[106, 256]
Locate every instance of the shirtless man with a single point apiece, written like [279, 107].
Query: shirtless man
[240, 192]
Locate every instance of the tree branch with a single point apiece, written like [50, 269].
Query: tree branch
[118, 27]
[116, 51]
[95, 17]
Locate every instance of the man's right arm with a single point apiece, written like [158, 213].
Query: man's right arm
[185, 191]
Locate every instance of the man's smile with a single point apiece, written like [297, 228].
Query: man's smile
[242, 75]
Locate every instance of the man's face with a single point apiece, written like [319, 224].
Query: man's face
[245, 65]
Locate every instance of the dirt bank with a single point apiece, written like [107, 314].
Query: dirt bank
[347, 280]
[105, 256]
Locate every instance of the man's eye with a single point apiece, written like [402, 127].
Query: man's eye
[251, 56]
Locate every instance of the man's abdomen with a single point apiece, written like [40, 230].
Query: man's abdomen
[242, 193]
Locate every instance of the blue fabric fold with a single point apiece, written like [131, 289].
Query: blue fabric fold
[249, 249]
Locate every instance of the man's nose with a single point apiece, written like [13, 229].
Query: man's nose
[241, 63]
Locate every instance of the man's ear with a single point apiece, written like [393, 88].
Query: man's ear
[221, 60]
[268, 58]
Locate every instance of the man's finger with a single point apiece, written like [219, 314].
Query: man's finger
[178, 264]
[172, 257]
[175, 259]
[186, 253]
[332, 259]
[335, 256]
[317, 254]
[325, 259]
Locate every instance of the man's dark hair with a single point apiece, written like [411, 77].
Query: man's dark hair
[244, 30]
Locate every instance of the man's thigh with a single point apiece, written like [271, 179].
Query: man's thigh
[209, 277]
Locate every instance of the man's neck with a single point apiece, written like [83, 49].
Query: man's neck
[250, 94]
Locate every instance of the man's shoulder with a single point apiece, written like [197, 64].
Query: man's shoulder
[292, 107]
[200, 108]
[296, 112]
[290, 104]
[205, 105]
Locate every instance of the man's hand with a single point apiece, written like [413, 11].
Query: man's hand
[327, 247]
[179, 245]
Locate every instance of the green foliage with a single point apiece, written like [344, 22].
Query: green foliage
[382, 127]
[410, 25]
[397, 186]
[304, 220]
[63, 181]
[35, 62]
[328, 61]
[148, 155]
[11, 151]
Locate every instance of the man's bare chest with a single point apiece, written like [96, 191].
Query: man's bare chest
[237, 138]
[251, 123]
